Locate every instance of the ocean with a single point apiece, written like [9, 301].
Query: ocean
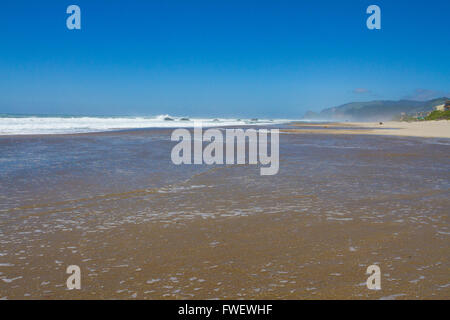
[16, 125]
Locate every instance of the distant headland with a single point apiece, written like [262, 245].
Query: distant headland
[383, 110]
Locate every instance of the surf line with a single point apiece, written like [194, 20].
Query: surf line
[235, 139]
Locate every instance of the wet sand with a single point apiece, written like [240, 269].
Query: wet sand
[428, 129]
[142, 228]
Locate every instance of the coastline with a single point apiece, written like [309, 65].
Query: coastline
[424, 129]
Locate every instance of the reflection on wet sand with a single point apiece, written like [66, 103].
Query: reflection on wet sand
[140, 227]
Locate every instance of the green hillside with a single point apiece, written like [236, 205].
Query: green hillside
[438, 115]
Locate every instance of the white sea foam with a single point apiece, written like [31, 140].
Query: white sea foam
[10, 125]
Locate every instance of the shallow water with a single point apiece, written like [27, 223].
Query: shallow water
[140, 227]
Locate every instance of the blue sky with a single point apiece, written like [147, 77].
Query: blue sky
[218, 58]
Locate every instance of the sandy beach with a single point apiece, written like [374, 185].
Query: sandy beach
[140, 227]
[426, 129]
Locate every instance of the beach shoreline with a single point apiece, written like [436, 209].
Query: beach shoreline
[424, 129]
[141, 227]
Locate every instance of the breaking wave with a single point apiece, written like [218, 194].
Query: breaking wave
[16, 125]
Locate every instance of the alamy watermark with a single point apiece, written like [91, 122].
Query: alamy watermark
[73, 22]
[374, 20]
[74, 280]
[374, 280]
[233, 142]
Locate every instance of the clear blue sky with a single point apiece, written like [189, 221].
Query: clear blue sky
[218, 58]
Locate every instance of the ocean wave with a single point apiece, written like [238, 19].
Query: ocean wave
[19, 125]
